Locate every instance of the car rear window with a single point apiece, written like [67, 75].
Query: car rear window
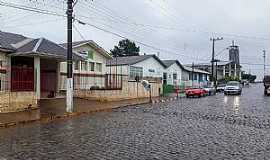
[232, 83]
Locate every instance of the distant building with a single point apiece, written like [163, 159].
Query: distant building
[224, 69]
[234, 54]
[196, 76]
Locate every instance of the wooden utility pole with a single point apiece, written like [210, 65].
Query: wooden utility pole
[69, 94]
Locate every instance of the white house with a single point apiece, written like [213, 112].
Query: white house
[197, 77]
[173, 72]
[90, 72]
[143, 67]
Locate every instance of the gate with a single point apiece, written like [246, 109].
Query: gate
[22, 79]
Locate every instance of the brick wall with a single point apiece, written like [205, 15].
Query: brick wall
[17, 101]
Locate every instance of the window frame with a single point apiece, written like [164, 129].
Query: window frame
[92, 66]
[135, 71]
[77, 65]
[99, 67]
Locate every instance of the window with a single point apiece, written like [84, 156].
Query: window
[92, 66]
[90, 54]
[174, 76]
[99, 67]
[135, 71]
[76, 65]
[151, 70]
[84, 66]
[195, 77]
[1, 64]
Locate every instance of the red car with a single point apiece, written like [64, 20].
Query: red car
[198, 92]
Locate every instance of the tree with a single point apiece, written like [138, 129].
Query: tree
[125, 48]
[251, 78]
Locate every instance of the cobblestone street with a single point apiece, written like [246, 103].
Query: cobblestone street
[217, 127]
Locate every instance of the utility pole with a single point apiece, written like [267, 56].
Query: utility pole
[69, 94]
[192, 73]
[264, 57]
[216, 74]
[213, 54]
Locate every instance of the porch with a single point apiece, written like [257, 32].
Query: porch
[27, 80]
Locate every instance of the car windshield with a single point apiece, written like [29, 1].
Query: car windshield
[233, 84]
[221, 85]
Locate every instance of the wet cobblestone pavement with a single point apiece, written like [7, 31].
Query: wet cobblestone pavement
[217, 127]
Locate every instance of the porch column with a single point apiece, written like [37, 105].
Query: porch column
[37, 76]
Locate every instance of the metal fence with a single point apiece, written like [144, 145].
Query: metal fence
[94, 81]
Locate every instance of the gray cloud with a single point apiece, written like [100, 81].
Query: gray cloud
[191, 24]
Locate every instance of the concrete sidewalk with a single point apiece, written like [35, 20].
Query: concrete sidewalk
[56, 107]
[10, 119]
[51, 109]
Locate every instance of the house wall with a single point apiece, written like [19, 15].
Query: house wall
[185, 75]
[97, 58]
[85, 79]
[174, 69]
[147, 65]
[151, 64]
[4, 75]
[128, 91]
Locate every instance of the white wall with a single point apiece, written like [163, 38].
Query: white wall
[85, 82]
[152, 64]
[97, 58]
[5, 81]
[174, 69]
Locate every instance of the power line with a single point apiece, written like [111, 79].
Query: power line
[77, 30]
[26, 8]
[46, 12]
[34, 23]
[95, 26]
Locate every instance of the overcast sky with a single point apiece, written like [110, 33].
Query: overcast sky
[177, 29]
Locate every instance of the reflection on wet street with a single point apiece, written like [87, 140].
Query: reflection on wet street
[216, 127]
